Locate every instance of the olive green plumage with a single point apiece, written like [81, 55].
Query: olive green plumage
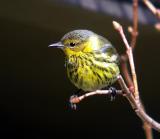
[91, 61]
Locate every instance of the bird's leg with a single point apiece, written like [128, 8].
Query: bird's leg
[75, 95]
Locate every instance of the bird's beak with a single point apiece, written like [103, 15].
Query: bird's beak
[56, 45]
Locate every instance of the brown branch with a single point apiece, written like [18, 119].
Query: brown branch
[152, 8]
[118, 27]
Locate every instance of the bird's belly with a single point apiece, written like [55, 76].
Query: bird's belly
[89, 78]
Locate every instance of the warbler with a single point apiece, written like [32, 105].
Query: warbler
[92, 62]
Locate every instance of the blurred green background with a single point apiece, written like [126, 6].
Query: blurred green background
[34, 87]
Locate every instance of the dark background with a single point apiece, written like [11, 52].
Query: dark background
[34, 87]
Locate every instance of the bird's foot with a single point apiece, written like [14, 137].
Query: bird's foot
[113, 93]
[74, 100]
[72, 104]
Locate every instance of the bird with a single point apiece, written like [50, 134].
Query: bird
[92, 62]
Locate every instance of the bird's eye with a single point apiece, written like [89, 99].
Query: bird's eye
[72, 44]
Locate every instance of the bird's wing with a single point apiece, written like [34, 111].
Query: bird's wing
[110, 51]
[105, 48]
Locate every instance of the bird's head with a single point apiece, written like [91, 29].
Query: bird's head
[77, 41]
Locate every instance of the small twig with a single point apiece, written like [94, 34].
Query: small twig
[77, 99]
[152, 8]
[138, 107]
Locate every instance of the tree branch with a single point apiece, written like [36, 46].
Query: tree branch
[134, 33]
[118, 27]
